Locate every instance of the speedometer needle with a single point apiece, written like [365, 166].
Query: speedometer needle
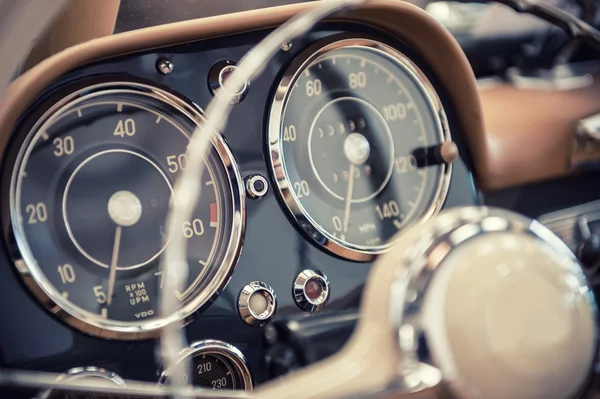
[125, 209]
[113, 266]
[348, 197]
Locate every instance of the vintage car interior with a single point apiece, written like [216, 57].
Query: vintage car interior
[299, 199]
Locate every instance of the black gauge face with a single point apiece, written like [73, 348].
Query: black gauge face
[214, 365]
[89, 200]
[214, 371]
[352, 146]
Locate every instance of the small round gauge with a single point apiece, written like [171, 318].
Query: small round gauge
[89, 197]
[214, 365]
[355, 137]
[99, 375]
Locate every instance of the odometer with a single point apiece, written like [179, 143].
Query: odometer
[355, 136]
[89, 197]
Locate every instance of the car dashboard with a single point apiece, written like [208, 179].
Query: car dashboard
[369, 123]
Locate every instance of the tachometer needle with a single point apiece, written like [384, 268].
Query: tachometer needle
[113, 266]
[348, 197]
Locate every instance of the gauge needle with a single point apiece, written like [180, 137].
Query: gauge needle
[348, 197]
[113, 266]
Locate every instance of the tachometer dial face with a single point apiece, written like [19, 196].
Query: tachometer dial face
[353, 133]
[90, 195]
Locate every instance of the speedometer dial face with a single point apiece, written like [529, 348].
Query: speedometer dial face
[90, 195]
[353, 136]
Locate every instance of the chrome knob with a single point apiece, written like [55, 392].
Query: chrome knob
[219, 74]
[311, 290]
[257, 303]
[501, 303]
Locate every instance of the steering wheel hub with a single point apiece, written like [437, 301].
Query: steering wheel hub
[507, 302]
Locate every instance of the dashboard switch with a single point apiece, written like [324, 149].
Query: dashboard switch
[256, 186]
[311, 290]
[219, 74]
[588, 250]
[257, 303]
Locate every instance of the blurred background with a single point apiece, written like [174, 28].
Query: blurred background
[493, 36]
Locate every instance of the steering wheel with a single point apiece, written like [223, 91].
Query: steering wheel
[474, 303]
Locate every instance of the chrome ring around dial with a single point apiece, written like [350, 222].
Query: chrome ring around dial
[89, 195]
[355, 132]
[215, 365]
[79, 373]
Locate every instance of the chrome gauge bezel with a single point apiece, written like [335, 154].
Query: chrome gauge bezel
[321, 236]
[78, 373]
[91, 371]
[35, 278]
[215, 347]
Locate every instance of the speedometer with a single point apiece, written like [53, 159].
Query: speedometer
[89, 197]
[359, 145]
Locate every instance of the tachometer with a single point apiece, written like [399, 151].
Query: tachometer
[356, 137]
[89, 197]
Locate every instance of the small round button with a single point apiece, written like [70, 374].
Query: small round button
[219, 74]
[256, 186]
[311, 290]
[257, 303]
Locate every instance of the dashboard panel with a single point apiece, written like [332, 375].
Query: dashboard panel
[278, 250]
[557, 114]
